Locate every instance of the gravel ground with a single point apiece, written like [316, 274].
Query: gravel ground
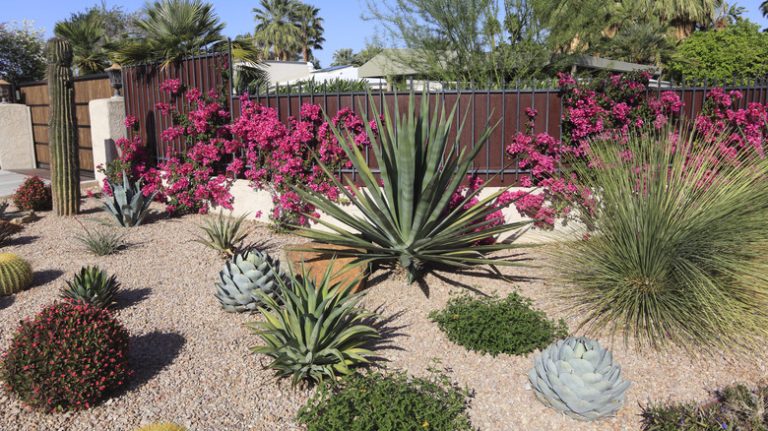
[193, 361]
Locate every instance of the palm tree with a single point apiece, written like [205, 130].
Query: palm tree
[86, 32]
[172, 29]
[764, 8]
[343, 57]
[685, 15]
[310, 24]
[276, 29]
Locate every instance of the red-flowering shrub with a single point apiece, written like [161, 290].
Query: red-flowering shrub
[68, 357]
[33, 194]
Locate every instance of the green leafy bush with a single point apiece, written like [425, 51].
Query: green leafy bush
[410, 220]
[678, 255]
[737, 408]
[33, 195]
[388, 402]
[318, 333]
[68, 357]
[739, 50]
[493, 325]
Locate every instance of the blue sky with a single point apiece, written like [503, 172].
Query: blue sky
[344, 27]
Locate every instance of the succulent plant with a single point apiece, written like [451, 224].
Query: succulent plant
[3, 208]
[578, 377]
[8, 229]
[92, 285]
[223, 234]
[128, 203]
[164, 426]
[15, 274]
[245, 274]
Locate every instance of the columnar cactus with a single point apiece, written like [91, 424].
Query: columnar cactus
[15, 274]
[65, 181]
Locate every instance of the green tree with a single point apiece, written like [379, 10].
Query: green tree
[310, 24]
[171, 30]
[22, 53]
[644, 43]
[343, 57]
[276, 30]
[685, 16]
[739, 50]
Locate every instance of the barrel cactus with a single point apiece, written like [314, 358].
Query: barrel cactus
[92, 285]
[165, 426]
[243, 275]
[578, 377]
[15, 274]
[65, 176]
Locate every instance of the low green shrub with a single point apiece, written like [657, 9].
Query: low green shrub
[493, 325]
[736, 408]
[388, 402]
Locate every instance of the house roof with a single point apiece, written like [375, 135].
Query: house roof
[332, 68]
[387, 63]
[593, 62]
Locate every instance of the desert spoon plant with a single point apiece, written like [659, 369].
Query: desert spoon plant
[65, 175]
[407, 220]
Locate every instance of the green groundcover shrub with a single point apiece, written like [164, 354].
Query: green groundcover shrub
[735, 408]
[494, 325]
[388, 402]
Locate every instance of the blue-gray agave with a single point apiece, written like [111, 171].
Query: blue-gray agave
[578, 377]
[128, 204]
[245, 274]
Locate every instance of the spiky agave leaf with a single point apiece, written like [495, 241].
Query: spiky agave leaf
[318, 333]
[128, 204]
[679, 251]
[92, 285]
[407, 220]
[245, 274]
[223, 234]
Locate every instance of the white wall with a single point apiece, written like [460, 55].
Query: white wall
[17, 148]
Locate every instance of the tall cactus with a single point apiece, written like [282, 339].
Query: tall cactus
[65, 176]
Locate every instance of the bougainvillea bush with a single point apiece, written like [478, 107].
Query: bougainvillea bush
[33, 195]
[68, 357]
[611, 109]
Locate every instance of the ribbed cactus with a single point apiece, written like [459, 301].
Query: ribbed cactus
[65, 176]
[15, 274]
[165, 426]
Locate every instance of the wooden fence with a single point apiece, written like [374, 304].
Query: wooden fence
[35, 95]
[504, 108]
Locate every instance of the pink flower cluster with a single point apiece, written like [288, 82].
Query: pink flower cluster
[280, 156]
[496, 218]
[744, 128]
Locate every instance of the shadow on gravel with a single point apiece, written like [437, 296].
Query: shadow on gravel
[388, 332]
[22, 240]
[129, 298]
[150, 353]
[6, 301]
[45, 276]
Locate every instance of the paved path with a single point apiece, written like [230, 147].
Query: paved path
[9, 182]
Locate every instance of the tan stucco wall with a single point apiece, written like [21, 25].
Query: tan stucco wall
[107, 125]
[17, 148]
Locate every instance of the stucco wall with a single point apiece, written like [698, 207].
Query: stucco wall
[107, 125]
[17, 148]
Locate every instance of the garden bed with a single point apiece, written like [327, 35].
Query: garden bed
[193, 363]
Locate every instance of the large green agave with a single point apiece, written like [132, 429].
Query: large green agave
[92, 285]
[128, 204]
[318, 333]
[579, 378]
[407, 220]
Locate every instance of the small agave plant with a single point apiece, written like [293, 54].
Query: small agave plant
[128, 204]
[579, 378]
[92, 285]
[243, 276]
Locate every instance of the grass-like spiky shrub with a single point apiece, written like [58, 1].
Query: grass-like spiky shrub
[33, 195]
[223, 234]
[409, 221]
[493, 325]
[8, 230]
[68, 357]
[101, 241]
[15, 274]
[164, 426]
[388, 402]
[318, 333]
[92, 285]
[679, 251]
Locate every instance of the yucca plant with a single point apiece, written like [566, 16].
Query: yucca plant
[408, 220]
[679, 251]
[318, 333]
[128, 204]
[92, 285]
[223, 234]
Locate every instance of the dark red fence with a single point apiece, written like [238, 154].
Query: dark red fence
[504, 108]
[141, 86]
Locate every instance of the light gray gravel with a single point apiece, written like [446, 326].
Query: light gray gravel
[193, 361]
